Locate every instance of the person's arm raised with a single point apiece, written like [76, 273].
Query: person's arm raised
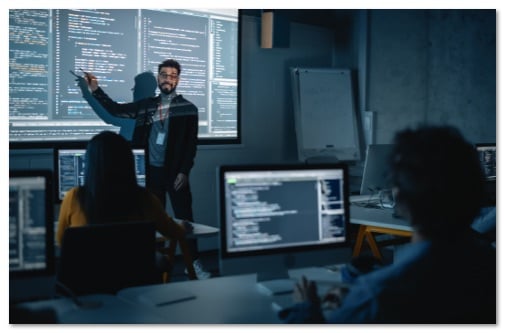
[91, 80]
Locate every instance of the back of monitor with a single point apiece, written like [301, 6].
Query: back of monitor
[376, 170]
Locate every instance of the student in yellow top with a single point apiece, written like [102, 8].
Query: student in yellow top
[111, 194]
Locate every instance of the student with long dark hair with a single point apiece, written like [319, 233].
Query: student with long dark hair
[111, 194]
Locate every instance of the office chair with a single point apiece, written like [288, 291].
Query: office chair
[105, 258]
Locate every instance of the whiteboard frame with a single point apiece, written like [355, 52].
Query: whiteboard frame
[318, 132]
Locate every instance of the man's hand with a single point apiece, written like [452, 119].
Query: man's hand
[188, 227]
[91, 81]
[333, 298]
[306, 291]
[180, 182]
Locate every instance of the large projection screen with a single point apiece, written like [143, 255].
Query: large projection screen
[46, 106]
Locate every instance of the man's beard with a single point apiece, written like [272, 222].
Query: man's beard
[166, 88]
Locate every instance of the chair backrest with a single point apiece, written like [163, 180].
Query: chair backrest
[105, 258]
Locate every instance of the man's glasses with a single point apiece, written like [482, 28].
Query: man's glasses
[165, 76]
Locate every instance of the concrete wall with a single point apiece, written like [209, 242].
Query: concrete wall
[436, 66]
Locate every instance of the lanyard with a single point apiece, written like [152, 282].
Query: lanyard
[161, 114]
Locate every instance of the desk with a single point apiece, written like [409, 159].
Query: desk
[111, 310]
[222, 300]
[375, 220]
[232, 299]
[199, 230]
[202, 230]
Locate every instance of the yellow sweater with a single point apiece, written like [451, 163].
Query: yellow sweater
[71, 215]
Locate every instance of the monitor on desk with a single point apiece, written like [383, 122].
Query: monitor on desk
[376, 170]
[69, 166]
[277, 217]
[487, 156]
[31, 236]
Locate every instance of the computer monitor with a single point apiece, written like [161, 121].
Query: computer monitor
[376, 170]
[277, 217]
[487, 156]
[31, 233]
[69, 166]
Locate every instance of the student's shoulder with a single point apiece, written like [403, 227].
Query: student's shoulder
[72, 193]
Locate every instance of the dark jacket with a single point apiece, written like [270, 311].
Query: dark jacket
[182, 133]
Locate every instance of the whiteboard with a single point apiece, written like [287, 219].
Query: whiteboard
[325, 117]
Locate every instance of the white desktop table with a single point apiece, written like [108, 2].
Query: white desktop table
[199, 231]
[376, 220]
[202, 230]
[110, 310]
[222, 300]
[231, 300]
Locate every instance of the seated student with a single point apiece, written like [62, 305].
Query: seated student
[110, 193]
[446, 274]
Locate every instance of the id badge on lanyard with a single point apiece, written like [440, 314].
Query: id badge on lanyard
[160, 139]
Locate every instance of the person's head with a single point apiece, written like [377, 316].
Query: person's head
[168, 75]
[109, 178]
[437, 178]
[145, 86]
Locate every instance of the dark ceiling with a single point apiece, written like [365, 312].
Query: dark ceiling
[329, 18]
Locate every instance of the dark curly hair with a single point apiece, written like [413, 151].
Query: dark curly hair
[170, 63]
[439, 179]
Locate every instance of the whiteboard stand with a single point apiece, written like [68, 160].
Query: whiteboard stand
[325, 117]
[369, 127]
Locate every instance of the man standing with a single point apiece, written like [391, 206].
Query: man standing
[167, 126]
